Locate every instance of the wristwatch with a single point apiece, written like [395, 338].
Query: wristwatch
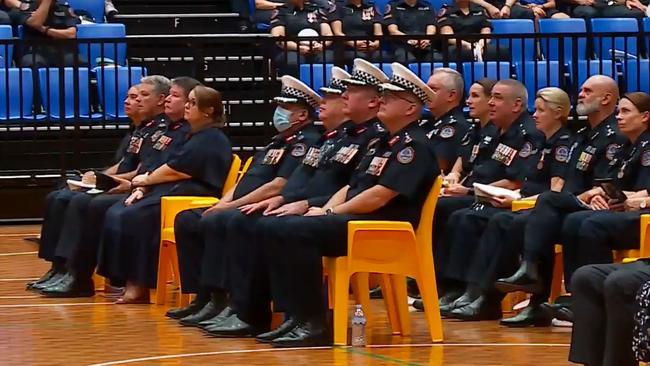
[329, 211]
[642, 204]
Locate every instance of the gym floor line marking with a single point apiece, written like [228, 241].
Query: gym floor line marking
[265, 350]
[380, 357]
[13, 254]
[26, 235]
[20, 297]
[63, 304]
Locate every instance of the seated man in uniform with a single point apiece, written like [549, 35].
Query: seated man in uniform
[412, 17]
[521, 9]
[391, 183]
[448, 125]
[200, 229]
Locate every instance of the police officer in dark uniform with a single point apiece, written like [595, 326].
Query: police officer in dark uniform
[595, 147]
[448, 125]
[296, 17]
[149, 106]
[5, 7]
[358, 18]
[503, 161]
[250, 289]
[79, 238]
[199, 232]
[131, 235]
[606, 9]
[412, 17]
[466, 18]
[398, 172]
[467, 226]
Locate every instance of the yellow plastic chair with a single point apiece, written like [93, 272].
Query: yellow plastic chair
[170, 207]
[244, 169]
[395, 250]
[632, 255]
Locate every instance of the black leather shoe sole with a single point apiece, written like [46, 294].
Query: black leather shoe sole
[526, 323]
[239, 333]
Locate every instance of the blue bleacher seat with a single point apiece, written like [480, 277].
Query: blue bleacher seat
[111, 50]
[646, 30]
[13, 81]
[587, 68]
[94, 7]
[381, 5]
[551, 46]
[520, 49]
[438, 4]
[6, 50]
[316, 75]
[49, 79]
[637, 75]
[536, 75]
[602, 30]
[386, 68]
[113, 84]
[473, 71]
[425, 69]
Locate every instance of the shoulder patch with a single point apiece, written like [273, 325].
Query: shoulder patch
[447, 132]
[299, 150]
[611, 151]
[562, 154]
[406, 155]
[526, 150]
[645, 158]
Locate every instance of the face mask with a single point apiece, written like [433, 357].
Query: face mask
[281, 119]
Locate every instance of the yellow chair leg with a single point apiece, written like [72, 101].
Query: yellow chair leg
[183, 299]
[388, 294]
[558, 274]
[100, 282]
[401, 299]
[427, 284]
[163, 273]
[341, 286]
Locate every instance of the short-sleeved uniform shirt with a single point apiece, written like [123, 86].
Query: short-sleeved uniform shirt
[631, 166]
[356, 20]
[294, 19]
[470, 23]
[278, 159]
[327, 169]
[470, 144]
[550, 164]
[508, 155]
[410, 19]
[138, 147]
[167, 138]
[447, 133]
[206, 157]
[590, 155]
[61, 16]
[405, 163]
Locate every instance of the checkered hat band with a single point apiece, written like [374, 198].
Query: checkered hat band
[337, 84]
[295, 93]
[365, 77]
[406, 84]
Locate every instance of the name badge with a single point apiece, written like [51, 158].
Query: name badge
[475, 150]
[162, 143]
[156, 135]
[504, 154]
[312, 158]
[376, 166]
[273, 156]
[346, 154]
[584, 161]
[134, 145]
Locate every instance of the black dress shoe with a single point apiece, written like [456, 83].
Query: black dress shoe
[43, 278]
[445, 300]
[526, 279]
[280, 331]
[52, 281]
[307, 334]
[559, 311]
[193, 308]
[208, 311]
[412, 288]
[223, 315]
[375, 293]
[532, 315]
[464, 300]
[70, 286]
[479, 309]
[233, 327]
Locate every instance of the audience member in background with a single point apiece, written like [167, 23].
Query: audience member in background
[242, 7]
[109, 10]
[448, 125]
[521, 9]
[412, 17]
[131, 235]
[588, 9]
[358, 18]
[264, 10]
[5, 7]
[296, 18]
[464, 18]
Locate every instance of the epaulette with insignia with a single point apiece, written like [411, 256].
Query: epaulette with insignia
[407, 138]
[583, 129]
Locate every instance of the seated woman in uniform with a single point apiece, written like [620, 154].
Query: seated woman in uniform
[299, 18]
[131, 235]
[467, 226]
[466, 18]
[603, 294]
[357, 18]
[417, 18]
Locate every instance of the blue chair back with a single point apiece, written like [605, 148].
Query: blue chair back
[16, 87]
[94, 7]
[425, 69]
[646, 30]
[115, 51]
[536, 75]
[49, 85]
[520, 49]
[6, 51]
[316, 75]
[551, 46]
[587, 68]
[604, 41]
[381, 5]
[473, 71]
[637, 75]
[113, 84]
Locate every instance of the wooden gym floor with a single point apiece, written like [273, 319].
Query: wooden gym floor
[93, 331]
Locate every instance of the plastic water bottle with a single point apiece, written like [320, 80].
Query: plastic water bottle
[358, 328]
